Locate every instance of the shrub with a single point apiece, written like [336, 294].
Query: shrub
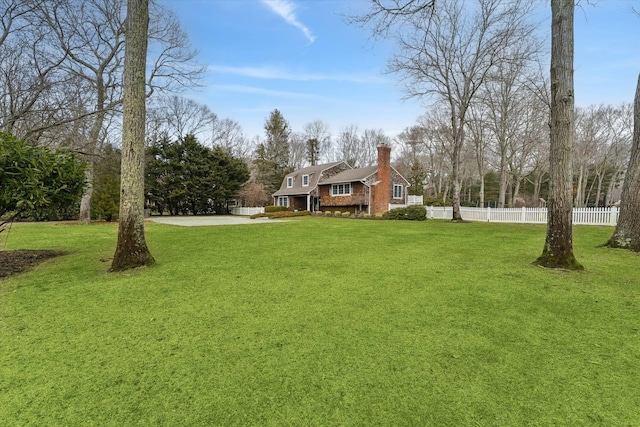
[411, 213]
[281, 214]
[337, 213]
[346, 214]
[328, 213]
[366, 216]
[36, 182]
[268, 209]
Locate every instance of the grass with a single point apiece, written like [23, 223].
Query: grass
[321, 321]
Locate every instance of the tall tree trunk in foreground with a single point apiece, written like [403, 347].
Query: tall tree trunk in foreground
[131, 250]
[558, 247]
[627, 232]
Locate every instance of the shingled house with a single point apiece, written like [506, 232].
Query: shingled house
[338, 186]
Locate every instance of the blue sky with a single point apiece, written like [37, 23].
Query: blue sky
[301, 57]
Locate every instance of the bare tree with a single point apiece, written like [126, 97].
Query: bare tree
[446, 50]
[30, 80]
[131, 249]
[90, 34]
[620, 121]
[318, 141]
[297, 150]
[591, 136]
[507, 101]
[228, 134]
[370, 140]
[347, 146]
[627, 232]
[438, 138]
[412, 157]
[480, 138]
[558, 246]
[176, 117]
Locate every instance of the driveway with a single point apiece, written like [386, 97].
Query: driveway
[197, 221]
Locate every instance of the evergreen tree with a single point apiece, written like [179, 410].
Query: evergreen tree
[416, 178]
[272, 155]
[105, 201]
[186, 177]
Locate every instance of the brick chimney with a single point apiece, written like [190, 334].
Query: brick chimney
[381, 190]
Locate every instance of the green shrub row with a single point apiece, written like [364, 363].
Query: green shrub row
[415, 213]
[281, 214]
[411, 213]
[269, 209]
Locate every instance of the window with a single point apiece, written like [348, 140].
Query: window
[397, 191]
[340, 189]
[289, 182]
[305, 180]
[283, 201]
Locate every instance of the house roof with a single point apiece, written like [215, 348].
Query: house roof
[350, 175]
[314, 173]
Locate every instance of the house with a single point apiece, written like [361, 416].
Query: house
[299, 189]
[338, 186]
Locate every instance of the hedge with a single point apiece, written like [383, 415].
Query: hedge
[411, 213]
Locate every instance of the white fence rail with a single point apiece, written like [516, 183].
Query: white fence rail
[581, 216]
[414, 200]
[246, 211]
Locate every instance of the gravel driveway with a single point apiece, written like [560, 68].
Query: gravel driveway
[196, 221]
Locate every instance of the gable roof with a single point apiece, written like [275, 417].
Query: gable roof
[314, 173]
[350, 175]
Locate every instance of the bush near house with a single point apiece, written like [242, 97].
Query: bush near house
[411, 213]
[268, 209]
[280, 214]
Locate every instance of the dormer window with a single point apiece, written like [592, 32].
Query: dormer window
[305, 180]
[289, 182]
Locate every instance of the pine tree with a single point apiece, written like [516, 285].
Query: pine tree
[272, 156]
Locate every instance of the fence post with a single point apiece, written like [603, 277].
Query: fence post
[613, 216]
[488, 213]
[523, 216]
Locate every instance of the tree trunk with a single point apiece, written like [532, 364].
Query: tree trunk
[131, 249]
[610, 188]
[516, 189]
[85, 201]
[579, 189]
[558, 247]
[92, 149]
[537, 185]
[627, 232]
[504, 182]
[457, 185]
[456, 161]
[599, 189]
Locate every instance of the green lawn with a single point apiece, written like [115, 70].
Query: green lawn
[321, 321]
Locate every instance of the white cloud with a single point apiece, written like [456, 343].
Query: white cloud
[277, 73]
[286, 10]
[268, 92]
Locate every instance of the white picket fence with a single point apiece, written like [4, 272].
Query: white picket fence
[581, 216]
[246, 211]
